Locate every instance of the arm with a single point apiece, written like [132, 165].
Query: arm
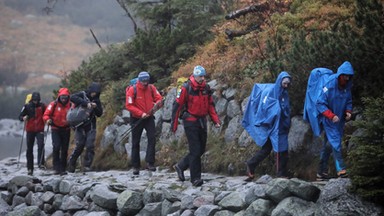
[212, 111]
[181, 99]
[48, 112]
[23, 112]
[99, 108]
[130, 103]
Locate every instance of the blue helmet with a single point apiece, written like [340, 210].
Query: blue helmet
[143, 76]
[198, 71]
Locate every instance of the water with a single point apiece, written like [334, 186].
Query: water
[10, 146]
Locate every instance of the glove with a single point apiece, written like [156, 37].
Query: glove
[25, 118]
[49, 122]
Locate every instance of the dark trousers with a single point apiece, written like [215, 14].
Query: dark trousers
[197, 141]
[149, 125]
[60, 143]
[84, 138]
[281, 159]
[31, 136]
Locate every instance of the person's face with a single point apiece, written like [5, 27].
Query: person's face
[199, 79]
[285, 83]
[35, 101]
[145, 82]
[64, 98]
[93, 94]
[345, 77]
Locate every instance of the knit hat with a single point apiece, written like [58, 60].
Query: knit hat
[198, 71]
[144, 76]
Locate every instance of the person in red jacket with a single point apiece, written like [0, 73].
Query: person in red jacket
[142, 100]
[32, 114]
[56, 116]
[195, 96]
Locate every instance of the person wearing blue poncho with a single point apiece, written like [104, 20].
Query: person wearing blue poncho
[267, 120]
[334, 106]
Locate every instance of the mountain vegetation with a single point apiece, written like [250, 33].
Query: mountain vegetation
[290, 35]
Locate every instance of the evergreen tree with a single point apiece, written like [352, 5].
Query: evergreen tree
[367, 156]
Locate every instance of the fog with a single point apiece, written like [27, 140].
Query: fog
[105, 17]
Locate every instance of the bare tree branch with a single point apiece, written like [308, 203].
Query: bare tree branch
[122, 5]
[94, 37]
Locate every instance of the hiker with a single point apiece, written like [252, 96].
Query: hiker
[142, 101]
[195, 96]
[267, 120]
[32, 115]
[85, 133]
[335, 108]
[55, 116]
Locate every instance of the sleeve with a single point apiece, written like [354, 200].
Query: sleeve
[48, 112]
[180, 100]
[156, 94]
[23, 112]
[212, 111]
[78, 99]
[130, 102]
[99, 108]
[322, 103]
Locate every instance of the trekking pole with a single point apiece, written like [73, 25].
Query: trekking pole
[21, 144]
[45, 140]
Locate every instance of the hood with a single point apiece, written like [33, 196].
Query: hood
[196, 85]
[278, 89]
[94, 87]
[36, 96]
[346, 68]
[63, 91]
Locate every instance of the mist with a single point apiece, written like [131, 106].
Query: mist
[105, 17]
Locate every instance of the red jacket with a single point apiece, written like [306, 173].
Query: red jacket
[35, 112]
[58, 111]
[199, 103]
[143, 102]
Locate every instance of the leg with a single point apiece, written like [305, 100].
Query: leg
[136, 136]
[151, 149]
[259, 156]
[80, 144]
[339, 162]
[324, 157]
[30, 142]
[196, 148]
[282, 165]
[90, 145]
[40, 149]
[65, 135]
[56, 143]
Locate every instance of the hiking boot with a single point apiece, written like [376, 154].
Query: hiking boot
[342, 174]
[250, 173]
[151, 167]
[42, 167]
[30, 172]
[71, 168]
[136, 171]
[63, 173]
[179, 172]
[87, 169]
[197, 182]
[56, 172]
[322, 177]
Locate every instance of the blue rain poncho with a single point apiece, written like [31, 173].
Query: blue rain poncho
[338, 100]
[268, 114]
[316, 82]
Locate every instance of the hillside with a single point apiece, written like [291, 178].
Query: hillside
[45, 47]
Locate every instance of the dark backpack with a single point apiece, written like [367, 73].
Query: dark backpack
[77, 116]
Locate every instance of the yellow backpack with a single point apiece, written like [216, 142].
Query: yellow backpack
[28, 98]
